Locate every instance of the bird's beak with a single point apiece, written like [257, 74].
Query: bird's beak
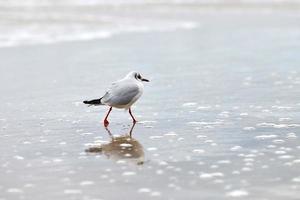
[146, 80]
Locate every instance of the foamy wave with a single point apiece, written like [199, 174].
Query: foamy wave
[33, 39]
[39, 35]
[30, 22]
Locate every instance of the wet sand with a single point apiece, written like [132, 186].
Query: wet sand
[219, 119]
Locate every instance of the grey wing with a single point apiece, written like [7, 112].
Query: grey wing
[120, 93]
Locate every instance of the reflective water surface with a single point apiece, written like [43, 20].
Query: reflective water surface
[123, 147]
[219, 119]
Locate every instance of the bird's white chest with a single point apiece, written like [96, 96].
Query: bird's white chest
[141, 90]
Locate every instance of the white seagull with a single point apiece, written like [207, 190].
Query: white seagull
[121, 94]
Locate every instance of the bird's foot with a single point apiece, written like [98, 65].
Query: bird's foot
[106, 123]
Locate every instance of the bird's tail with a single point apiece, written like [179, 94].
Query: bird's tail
[94, 102]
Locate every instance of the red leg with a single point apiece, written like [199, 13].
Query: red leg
[130, 132]
[105, 120]
[132, 116]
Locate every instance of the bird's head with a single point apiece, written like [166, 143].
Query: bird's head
[136, 76]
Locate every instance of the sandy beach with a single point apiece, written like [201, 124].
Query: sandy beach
[219, 119]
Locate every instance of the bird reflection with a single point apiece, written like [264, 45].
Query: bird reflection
[123, 147]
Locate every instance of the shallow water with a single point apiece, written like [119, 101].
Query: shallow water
[219, 119]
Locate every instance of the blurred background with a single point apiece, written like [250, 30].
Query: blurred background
[48, 21]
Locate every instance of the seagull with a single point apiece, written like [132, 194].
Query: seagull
[121, 94]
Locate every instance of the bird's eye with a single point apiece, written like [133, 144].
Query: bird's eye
[139, 76]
